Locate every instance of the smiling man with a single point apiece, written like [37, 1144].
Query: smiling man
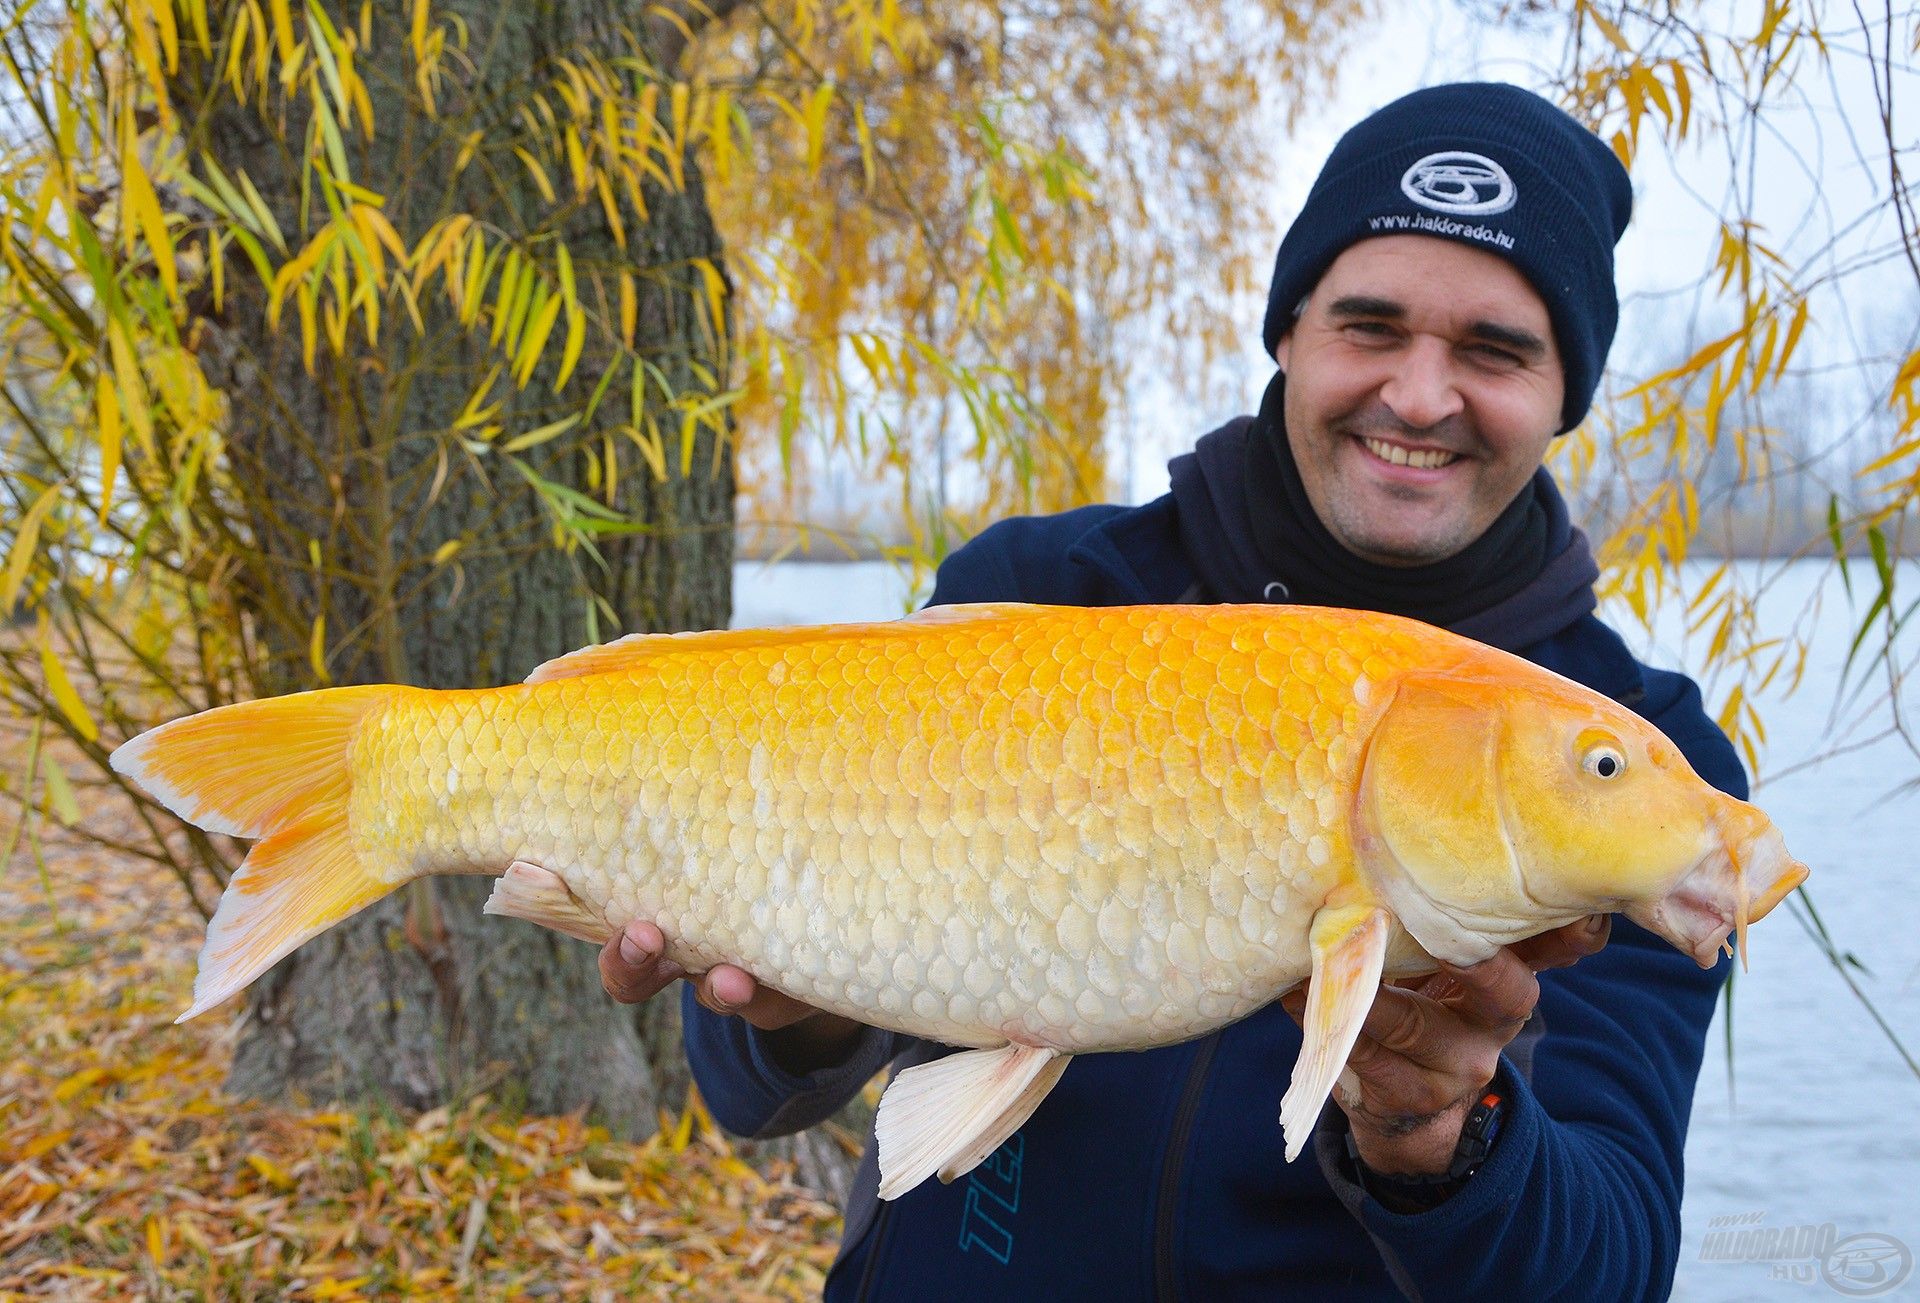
[1440, 310]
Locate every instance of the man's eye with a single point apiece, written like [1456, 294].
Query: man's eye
[1371, 329]
[1497, 356]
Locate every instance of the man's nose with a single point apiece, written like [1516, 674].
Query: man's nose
[1421, 390]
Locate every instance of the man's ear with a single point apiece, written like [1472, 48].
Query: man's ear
[1283, 349]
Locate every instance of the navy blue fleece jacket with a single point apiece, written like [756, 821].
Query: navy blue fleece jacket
[1160, 1174]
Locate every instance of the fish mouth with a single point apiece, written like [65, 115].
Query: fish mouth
[1716, 896]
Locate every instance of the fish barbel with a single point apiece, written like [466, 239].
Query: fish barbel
[1030, 831]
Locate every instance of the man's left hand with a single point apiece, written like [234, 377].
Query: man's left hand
[1427, 1049]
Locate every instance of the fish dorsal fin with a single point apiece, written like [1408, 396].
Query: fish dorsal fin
[638, 648]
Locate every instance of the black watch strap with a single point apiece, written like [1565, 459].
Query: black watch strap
[1409, 1194]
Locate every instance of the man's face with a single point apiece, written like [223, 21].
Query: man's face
[1423, 387]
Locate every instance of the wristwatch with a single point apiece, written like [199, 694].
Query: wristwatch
[1411, 1194]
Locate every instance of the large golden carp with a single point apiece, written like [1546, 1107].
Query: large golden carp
[1036, 831]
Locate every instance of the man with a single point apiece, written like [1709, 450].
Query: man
[1441, 309]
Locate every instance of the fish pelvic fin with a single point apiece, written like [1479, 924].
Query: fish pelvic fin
[542, 896]
[946, 1116]
[276, 770]
[1349, 944]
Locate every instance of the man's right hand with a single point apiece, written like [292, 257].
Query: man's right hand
[633, 968]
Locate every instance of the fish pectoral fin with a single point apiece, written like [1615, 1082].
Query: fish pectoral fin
[945, 1117]
[1349, 945]
[541, 896]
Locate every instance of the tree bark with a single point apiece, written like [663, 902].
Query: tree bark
[350, 476]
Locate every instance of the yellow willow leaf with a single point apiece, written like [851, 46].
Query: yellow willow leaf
[417, 30]
[1900, 453]
[536, 339]
[716, 293]
[629, 308]
[576, 163]
[261, 212]
[156, 1241]
[570, 354]
[505, 291]
[816, 123]
[1654, 90]
[477, 262]
[1776, 12]
[197, 12]
[282, 28]
[533, 438]
[107, 407]
[652, 448]
[1798, 324]
[270, 1172]
[140, 202]
[162, 13]
[467, 148]
[293, 274]
[1683, 92]
[538, 173]
[564, 262]
[611, 208]
[317, 649]
[133, 385]
[309, 326]
[1764, 361]
[370, 217]
[77, 1082]
[866, 143]
[26, 539]
[1613, 34]
[60, 688]
[444, 553]
[720, 134]
[1697, 362]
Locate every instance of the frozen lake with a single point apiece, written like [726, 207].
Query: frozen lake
[1821, 1123]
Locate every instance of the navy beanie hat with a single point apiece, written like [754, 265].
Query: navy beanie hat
[1494, 167]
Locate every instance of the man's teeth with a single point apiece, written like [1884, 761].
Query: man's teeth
[1422, 458]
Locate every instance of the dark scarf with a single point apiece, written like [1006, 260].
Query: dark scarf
[1253, 537]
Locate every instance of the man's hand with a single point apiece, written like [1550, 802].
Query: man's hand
[1429, 1048]
[632, 969]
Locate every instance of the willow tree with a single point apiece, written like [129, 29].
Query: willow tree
[399, 341]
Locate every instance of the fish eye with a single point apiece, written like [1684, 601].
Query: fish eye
[1604, 761]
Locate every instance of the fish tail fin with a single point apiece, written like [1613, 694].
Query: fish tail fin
[278, 770]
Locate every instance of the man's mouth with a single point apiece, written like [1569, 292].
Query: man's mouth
[1400, 455]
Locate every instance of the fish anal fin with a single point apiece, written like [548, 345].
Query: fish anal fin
[1349, 943]
[945, 1117]
[636, 649]
[542, 896]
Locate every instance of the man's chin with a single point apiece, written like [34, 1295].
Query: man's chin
[1400, 549]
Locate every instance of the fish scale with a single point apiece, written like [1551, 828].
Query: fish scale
[1016, 834]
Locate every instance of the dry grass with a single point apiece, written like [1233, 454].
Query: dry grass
[126, 1173]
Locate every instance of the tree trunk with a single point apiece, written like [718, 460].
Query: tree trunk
[349, 478]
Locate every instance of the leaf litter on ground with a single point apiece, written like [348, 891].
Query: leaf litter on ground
[127, 1173]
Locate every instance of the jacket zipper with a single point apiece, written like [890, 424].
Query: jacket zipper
[1166, 1280]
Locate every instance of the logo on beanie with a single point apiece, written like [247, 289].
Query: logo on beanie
[1459, 183]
